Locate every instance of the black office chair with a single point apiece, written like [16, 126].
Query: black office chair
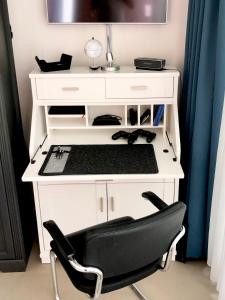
[115, 254]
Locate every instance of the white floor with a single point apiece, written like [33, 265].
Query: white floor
[188, 281]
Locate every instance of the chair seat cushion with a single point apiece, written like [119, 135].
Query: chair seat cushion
[88, 286]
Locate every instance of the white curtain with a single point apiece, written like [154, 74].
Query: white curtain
[216, 247]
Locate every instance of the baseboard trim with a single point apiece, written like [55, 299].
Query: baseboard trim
[13, 266]
[45, 257]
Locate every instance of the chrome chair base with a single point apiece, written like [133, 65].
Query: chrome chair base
[138, 292]
[134, 287]
[54, 275]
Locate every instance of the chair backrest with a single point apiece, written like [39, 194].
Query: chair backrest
[129, 247]
[119, 249]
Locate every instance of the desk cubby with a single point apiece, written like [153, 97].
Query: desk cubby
[78, 201]
[85, 121]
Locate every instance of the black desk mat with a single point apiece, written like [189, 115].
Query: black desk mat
[101, 159]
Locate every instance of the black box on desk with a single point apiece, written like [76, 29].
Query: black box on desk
[156, 64]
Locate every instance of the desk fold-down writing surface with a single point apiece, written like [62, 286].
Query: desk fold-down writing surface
[168, 169]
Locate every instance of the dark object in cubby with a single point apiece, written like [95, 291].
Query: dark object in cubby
[158, 114]
[67, 110]
[63, 64]
[145, 116]
[133, 116]
[107, 120]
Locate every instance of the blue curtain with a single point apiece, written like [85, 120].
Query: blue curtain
[200, 116]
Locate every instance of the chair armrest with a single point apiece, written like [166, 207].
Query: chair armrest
[59, 239]
[155, 200]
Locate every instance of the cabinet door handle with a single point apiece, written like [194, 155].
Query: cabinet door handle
[139, 87]
[70, 88]
[112, 203]
[101, 204]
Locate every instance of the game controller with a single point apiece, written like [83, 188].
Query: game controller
[133, 136]
[120, 134]
[144, 133]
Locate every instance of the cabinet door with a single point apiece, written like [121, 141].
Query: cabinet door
[71, 206]
[124, 199]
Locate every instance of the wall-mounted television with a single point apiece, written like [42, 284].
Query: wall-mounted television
[107, 11]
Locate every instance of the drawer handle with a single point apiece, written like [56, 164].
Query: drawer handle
[101, 204]
[139, 87]
[112, 204]
[70, 88]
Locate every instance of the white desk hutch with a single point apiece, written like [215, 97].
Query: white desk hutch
[76, 202]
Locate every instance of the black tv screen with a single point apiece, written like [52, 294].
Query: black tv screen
[107, 11]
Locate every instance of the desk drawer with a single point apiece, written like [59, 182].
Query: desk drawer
[132, 88]
[91, 89]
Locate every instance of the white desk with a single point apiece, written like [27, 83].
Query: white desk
[78, 201]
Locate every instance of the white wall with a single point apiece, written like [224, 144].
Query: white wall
[33, 36]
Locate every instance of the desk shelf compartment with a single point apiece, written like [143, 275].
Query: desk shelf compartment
[66, 117]
[67, 123]
[99, 110]
[151, 120]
